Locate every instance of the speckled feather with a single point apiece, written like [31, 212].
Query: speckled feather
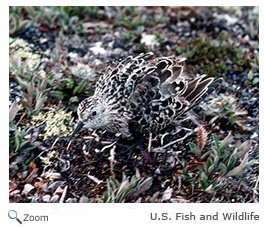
[143, 94]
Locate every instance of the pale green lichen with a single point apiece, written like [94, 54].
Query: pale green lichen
[21, 54]
[83, 71]
[47, 161]
[57, 123]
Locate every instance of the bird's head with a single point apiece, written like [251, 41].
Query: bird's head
[92, 114]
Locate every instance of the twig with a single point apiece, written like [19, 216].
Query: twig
[55, 141]
[108, 146]
[149, 142]
[31, 175]
[68, 146]
[162, 138]
[175, 141]
[179, 184]
[94, 179]
[51, 148]
[63, 194]
[21, 118]
[112, 160]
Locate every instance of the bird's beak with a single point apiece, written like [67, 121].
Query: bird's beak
[77, 129]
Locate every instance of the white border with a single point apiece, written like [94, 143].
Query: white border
[110, 214]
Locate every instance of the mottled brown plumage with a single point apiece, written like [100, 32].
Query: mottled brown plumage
[142, 94]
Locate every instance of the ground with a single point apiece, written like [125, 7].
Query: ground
[56, 56]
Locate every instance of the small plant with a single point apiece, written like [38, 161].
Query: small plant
[130, 24]
[211, 166]
[25, 69]
[16, 24]
[251, 80]
[66, 88]
[21, 17]
[74, 83]
[226, 108]
[19, 143]
[33, 93]
[17, 137]
[127, 190]
[129, 36]
[80, 11]
[160, 37]
[130, 19]
[215, 55]
[66, 19]
[13, 110]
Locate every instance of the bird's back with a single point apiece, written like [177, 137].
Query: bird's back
[151, 92]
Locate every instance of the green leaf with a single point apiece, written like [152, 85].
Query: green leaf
[23, 144]
[39, 104]
[211, 169]
[206, 154]
[216, 141]
[12, 127]
[74, 99]
[14, 108]
[17, 141]
[42, 84]
[251, 162]
[255, 81]
[144, 186]
[193, 148]
[57, 94]
[26, 105]
[113, 183]
[226, 141]
[70, 83]
[222, 168]
[250, 75]
[210, 189]
[203, 176]
[231, 162]
[203, 184]
[80, 87]
[233, 119]
[243, 149]
[216, 160]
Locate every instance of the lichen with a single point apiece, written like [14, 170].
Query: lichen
[57, 123]
[83, 71]
[23, 54]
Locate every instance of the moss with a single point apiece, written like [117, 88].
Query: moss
[214, 56]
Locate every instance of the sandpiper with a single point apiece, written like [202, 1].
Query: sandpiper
[142, 94]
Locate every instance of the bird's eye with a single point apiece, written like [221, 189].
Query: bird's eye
[93, 113]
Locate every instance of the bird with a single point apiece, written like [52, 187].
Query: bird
[142, 94]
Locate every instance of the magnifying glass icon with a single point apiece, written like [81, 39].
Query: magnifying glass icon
[12, 214]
